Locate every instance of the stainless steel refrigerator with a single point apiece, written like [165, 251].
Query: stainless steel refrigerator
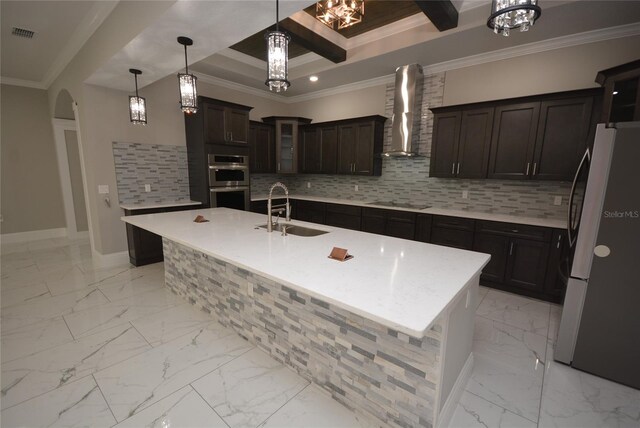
[600, 326]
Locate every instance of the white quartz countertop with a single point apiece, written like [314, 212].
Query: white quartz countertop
[164, 204]
[506, 218]
[404, 285]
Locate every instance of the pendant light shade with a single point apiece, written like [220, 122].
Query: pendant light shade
[137, 104]
[187, 83]
[509, 14]
[277, 58]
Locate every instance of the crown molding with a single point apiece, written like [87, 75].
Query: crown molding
[376, 81]
[239, 87]
[405, 24]
[21, 82]
[96, 16]
[586, 37]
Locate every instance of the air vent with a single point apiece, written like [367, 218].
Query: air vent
[22, 32]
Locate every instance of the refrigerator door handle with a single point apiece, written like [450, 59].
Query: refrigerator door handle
[572, 239]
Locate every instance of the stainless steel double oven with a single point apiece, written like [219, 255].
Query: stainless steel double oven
[229, 181]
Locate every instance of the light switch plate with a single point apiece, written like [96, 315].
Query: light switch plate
[356, 187]
[557, 200]
[147, 187]
[103, 189]
[308, 185]
[465, 194]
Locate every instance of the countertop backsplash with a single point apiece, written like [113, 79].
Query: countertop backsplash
[161, 166]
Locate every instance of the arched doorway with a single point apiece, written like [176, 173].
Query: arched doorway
[71, 166]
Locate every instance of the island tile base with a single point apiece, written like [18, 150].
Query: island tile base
[387, 376]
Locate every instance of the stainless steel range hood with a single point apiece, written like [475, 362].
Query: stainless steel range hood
[407, 106]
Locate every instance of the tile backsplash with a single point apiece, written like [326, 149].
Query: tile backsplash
[407, 179]
[163, 167]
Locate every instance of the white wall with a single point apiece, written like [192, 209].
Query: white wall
[552, 71]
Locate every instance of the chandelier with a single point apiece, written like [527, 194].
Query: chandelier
[187, 83]
[344, 13]
[137, 104]
[277, 57]
[509, 14]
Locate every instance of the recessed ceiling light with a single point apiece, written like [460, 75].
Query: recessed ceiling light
[313, 78]
[615, 92]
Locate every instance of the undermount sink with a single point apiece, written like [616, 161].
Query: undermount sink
[296, 230]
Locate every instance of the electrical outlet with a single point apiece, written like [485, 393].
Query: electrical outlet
[465, 194]
[557, 200]
[147, 187]
[308, 185]
[250, 289]
[103, 189]
[356, 187]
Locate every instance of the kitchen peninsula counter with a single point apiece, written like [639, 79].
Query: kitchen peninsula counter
[387, 333]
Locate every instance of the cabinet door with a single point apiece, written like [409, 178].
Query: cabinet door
[261, 149]
[310, 150]
[558, 267]
[498, 247]
[328, 136]
[237, 125]
[286, 146]
[310, 211]
[446, 131]
[401, 224]
[561, 138]
[474, 143]
[462, 239]
[363, 157]
[373, 220]
[346, 148]
[527, 264]
[513, 141]
[214, 124]
[423, 228]
[254, 155]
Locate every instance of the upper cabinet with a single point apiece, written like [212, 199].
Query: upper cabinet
[224, 123]
[360, 146]
[463, 140]
[621, 101]
[262, 148]
[541, 137]
[287, 142]
[310, 153]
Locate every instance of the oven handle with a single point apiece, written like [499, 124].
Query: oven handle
[227, 189]
[235, 166]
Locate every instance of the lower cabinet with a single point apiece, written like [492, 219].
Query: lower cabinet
[345, 216]
[399, 224]
[453, 232]
[498, 247]
[313, 212]
[558, 267]
[146, 247]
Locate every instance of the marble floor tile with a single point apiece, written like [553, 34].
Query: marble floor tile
[508, 367]
[183, 408]
[481, 293]
[14, 247]
[105, 316]
[26, 294]
[23, 277]
[30, 313]
[141, 381]
[45, 371]
[75, 278]
[34, 338]
[554, 322]
[517, 311]
[246, 391]
[312, 408]
[162, 327]
[575, 399]
[131, 282]
[77, 404]
[475, 412]
[14, 262]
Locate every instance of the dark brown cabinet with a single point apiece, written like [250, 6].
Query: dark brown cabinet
[360, 145]
[558, 267]
[452, 232]
[345, 216]
[498, 247]
[399, 224]
[527, 264]
[423, 227]
[262, 155]
[287, 142]
[621, 102]
[328, 136]
[513, 140]
[561, 138]
[310, 151]
[461, 141]
[224, 122]
[313, 212]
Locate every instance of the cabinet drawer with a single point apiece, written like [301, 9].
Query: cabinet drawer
[462, 239]
[344, 209]
[345, 221]
[458, 223]
[374, 212]
[401, 216]
[535, 233]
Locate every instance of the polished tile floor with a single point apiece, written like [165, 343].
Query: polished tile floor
[88, 346]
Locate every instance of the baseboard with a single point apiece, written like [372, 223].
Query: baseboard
[34, 235]
[107, 260]
[79, 235]
[445, 415]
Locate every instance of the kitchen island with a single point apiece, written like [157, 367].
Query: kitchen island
[387, 333]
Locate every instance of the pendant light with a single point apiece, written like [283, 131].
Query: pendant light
[137, 104]
[509, 14]
[277, 58]
[187, 83]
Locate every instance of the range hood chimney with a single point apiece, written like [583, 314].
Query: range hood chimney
[407, 106]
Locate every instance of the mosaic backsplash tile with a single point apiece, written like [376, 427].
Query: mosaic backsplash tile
[163, 167]
[407, 179]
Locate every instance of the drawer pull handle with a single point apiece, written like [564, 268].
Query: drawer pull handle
[511, 249]
[514, 230]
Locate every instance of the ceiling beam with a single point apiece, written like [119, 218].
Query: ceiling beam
[442, 13]
[313, 41]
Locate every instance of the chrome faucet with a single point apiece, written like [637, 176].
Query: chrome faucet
[277, 208]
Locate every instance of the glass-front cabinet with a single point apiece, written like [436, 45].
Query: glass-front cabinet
[286, 142]
[621, 93]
